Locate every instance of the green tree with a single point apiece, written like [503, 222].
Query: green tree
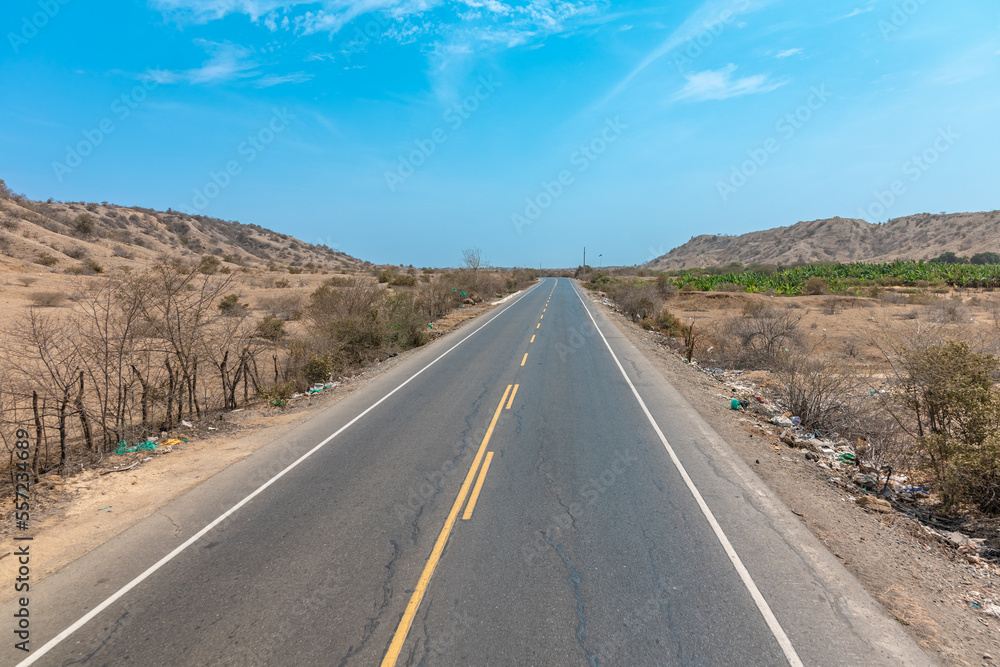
[985, 258]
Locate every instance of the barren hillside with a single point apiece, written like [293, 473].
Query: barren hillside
[843, 240]
[76, 237]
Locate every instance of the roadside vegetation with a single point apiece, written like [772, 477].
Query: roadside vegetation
[129, 355]
[911, 388]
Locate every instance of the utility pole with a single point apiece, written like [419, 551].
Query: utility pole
[585, 258]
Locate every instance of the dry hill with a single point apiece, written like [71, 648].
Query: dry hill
[843, 240]
[76, 237]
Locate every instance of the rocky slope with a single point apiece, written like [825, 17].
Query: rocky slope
[76, 236]
[843, 240]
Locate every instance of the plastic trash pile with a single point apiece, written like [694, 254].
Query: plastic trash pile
[150, 445]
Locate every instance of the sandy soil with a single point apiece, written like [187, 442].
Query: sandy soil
[935, 592]
[72, 516]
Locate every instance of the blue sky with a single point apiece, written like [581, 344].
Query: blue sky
[406, 131]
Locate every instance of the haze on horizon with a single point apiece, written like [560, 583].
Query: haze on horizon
[404, 132]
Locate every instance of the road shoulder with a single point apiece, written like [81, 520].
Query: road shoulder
[723, 442]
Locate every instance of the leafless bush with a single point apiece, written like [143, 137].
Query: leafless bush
[878, 438]
[285, 306]
[27, 281]
[636, 300]
[758, 335]
[921, 299]
[665, 286]
[48, 299]
[833, 306]
[950, 311]
[436, 299]
[819, 390]
[892, 298]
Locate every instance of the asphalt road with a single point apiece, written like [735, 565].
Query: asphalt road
[439, 517]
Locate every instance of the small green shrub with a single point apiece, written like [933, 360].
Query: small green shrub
[403, 280]
[231, 306]
[271, 328]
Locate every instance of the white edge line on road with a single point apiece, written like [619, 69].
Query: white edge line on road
[52, 643]
[765, 609]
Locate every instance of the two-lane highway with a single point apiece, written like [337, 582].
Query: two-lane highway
[526, 491]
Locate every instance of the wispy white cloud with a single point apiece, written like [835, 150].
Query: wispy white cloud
[453, 33]
[202, 11]
[227, 62]
[321, 57]
[494, 21]
[721, 85]
[278, 79]
[859, 10]
[787, 53]
[707, 19]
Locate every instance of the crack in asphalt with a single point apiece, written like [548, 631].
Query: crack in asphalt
[177, 528]
[426, 639]
[90, 655]
[373, 621]
[575, 578]
[415, 533]
[450, 465]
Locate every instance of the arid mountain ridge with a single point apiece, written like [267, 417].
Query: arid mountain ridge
[920, 236]
[78, 237]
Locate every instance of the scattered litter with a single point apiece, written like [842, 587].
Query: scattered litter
[172, 442]
[105, 508]
[186, 423]
[735, 404]
[874, 504]
[147, 446]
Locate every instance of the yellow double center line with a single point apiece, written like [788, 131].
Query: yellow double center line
[425, 577]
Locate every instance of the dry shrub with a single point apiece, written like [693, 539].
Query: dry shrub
[48, 299]
[819, 390]
[635, 299]
[892, 298]
[436, 299]
[758, 336]
[670, 324]
[283, 306]
[665, 286]
[815, 285]
[920, 298]
[950, 312]
[833, 306]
